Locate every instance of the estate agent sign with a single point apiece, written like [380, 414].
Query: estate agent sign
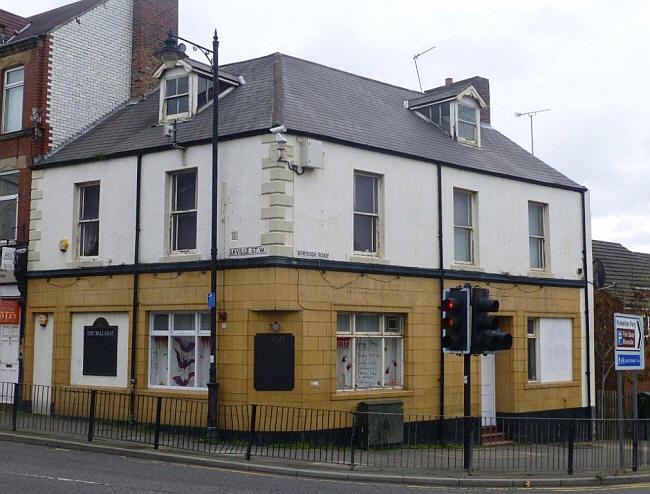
[628, 342]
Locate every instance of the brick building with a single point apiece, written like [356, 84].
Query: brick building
[624, 287]
[60, 71]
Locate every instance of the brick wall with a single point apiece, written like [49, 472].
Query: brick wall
[19, 152]
[103, 60]
[90, 67]
[482, 85]
[152, 19]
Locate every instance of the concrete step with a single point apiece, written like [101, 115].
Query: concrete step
[496, 443]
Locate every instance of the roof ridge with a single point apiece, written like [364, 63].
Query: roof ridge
[284, 55]
[250, 60]
[92, 4]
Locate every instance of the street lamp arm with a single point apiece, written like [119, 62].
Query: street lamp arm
[206, 51]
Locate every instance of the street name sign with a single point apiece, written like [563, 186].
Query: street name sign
[629, 350]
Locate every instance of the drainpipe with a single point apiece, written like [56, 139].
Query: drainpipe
[136, 303]
[20, 272]
[442, 286]
[584, 270]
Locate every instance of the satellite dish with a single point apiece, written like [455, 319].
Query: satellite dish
[600, 274]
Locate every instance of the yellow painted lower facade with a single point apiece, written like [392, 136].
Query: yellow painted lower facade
[305, 303]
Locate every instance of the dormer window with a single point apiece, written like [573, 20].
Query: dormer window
[187, 88]
[177, 96]
[455, 110]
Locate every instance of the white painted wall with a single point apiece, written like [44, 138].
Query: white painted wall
[240, 176]
[60, 203]
[323, 201]
[90, 67]
[501, 234]
[322, 213]
[81, 319]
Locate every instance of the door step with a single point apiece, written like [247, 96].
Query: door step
[490, 436]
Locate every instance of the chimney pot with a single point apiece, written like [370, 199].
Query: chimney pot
[449, 81]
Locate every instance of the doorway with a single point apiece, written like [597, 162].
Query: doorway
[9, 354]
[488, 390]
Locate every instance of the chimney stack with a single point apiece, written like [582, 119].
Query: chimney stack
[449, 81]
[152, 19]
[482, 85]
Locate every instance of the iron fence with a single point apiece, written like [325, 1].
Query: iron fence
[606, 404]
[355, 439]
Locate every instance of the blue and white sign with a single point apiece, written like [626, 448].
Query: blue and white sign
[212, 300]
[628, 342]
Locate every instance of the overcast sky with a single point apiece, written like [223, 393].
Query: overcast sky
[586, 60]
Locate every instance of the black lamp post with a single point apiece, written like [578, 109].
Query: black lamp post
[170, 54]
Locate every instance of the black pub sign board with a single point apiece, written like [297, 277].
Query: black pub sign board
[100, 349]
[274, 359]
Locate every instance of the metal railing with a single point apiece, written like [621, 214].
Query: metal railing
[381, 440]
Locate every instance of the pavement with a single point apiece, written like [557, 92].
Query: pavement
[314, 470]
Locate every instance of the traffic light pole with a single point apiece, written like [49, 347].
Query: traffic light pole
[467, 419]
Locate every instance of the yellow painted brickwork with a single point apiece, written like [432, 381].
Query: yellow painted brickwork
[305, 303]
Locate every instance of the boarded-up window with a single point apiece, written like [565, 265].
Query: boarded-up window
[100, 349]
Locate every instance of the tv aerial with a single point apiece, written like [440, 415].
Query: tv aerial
[415, 61]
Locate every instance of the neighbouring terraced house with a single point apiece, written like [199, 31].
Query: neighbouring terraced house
[334, 247]
[60, 71]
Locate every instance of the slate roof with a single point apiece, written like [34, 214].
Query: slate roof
[627, 272]
[311, 99]
[441, 93]
[47, 21]
[11, 22]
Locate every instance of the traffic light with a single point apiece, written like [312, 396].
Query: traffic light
[455, 320]
[486, 335]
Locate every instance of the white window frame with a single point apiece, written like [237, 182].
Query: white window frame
[376, 224]
[470, 227]
[188, 94]
[169, 333]
[532, 333]
[11, 197]
[81, 222]
[540, 239]
[173, 241]
[353, 335]
[5, 89]
[475, 124]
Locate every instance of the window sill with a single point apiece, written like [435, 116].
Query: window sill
[468, 142]
[540, 273]
[5, 136]
[181, 257]
[368, 258]
[85, 263]
[370, 394]
[175, 389]
[465, 267]
[561, 384]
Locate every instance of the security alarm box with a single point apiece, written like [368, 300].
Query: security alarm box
[312, 153]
